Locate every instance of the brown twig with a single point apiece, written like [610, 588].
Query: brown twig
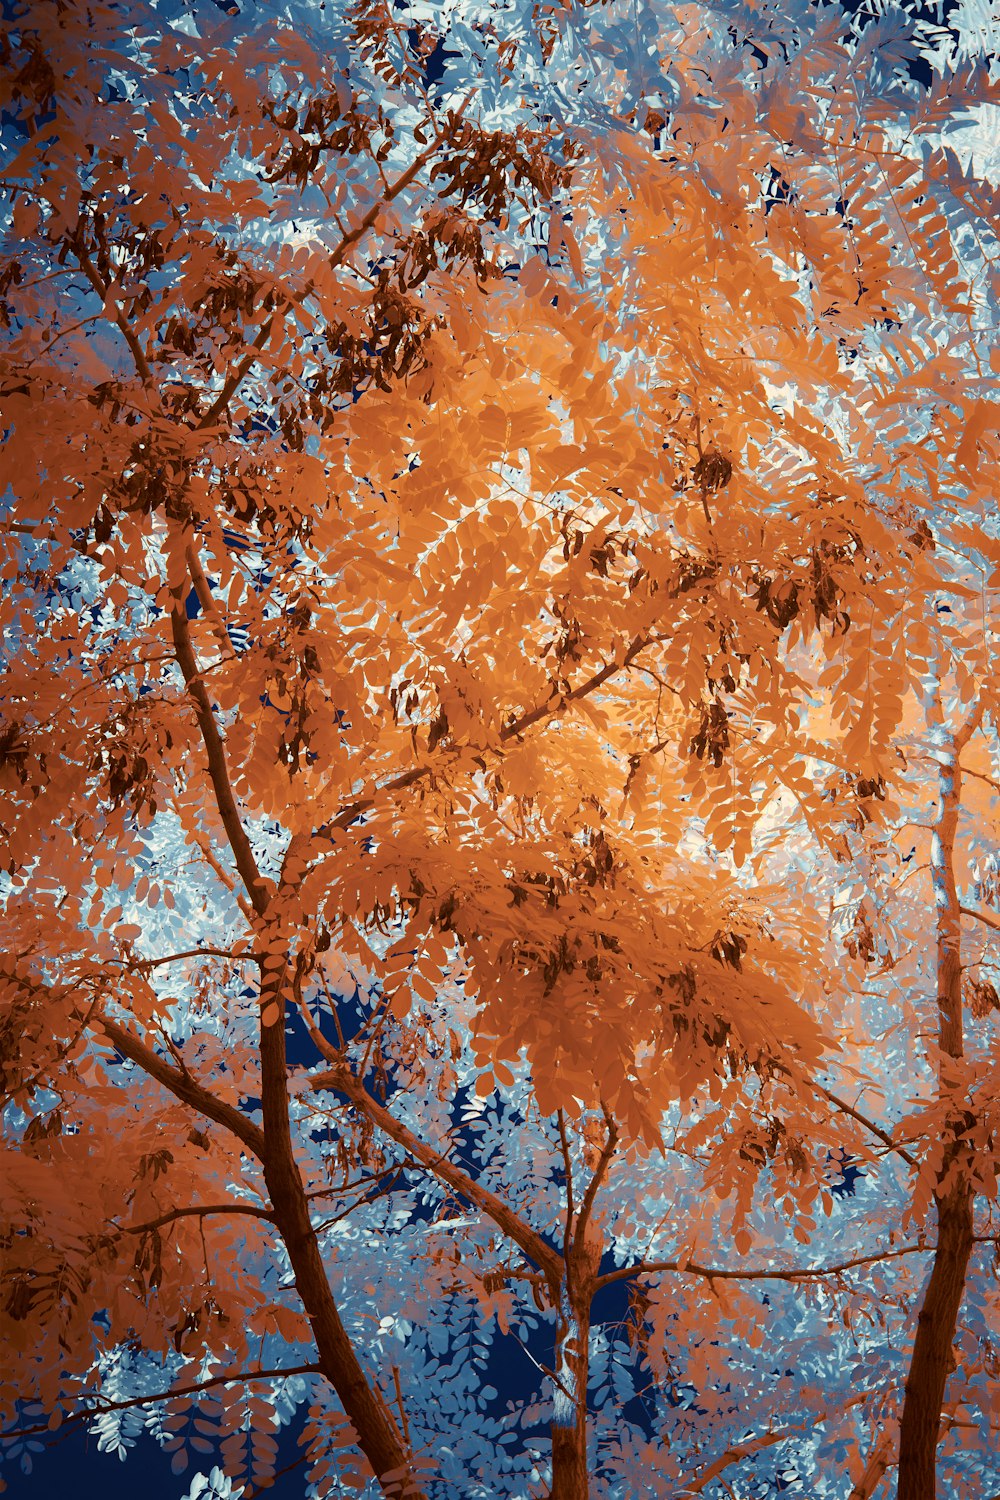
[723, 1273]
[199, 1211]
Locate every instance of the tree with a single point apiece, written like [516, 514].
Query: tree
[460, 633]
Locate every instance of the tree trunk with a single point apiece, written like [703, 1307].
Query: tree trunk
[932, 1348]
[932, 1360]
[569, 1402]
[377, 1434]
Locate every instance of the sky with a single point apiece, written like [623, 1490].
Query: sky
[70, 1464]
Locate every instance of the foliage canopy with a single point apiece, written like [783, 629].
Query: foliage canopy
[498, 744]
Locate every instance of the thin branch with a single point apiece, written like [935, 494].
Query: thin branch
[336, 258]
[987, 918]
[256, 1490]
[218, 769]
[27, 1080]
[600, 1172]
[334, 1008]
[63, 333]
[735, 1455]
[241, 1377]
[184, 1087]
[173, 958]
[233, 382]
[874, 1470]
[400, 1406]
[199, 1211]
[323, 1047]
[206, 598]
[378, 1022]
[718, 1273]
[568, 1170]
[979, 775]
[876, 1129]
[218, 870]
[750, 1446]
[104, 291]
[530, 1242]
[965, 731]
[552, 706]
[558, 700]
[351, 1187]
[345, 1213]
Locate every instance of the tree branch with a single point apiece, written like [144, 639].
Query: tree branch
[600, 1172]
[874, 1470]
[184, 1087]
[173, 958]
[336, 259]
[560, 700]
[199, 1211]
[876, 1129]
[750, 1446]
[345, 1213]
[568, 1170]
[242, 1377]
[117, 317]
[527, 1239]
[549, 709]
[218, 770]
[979, 775]
[206, 598]
[236, 378]
[718, 1273]
[222, 874]
[987, 918]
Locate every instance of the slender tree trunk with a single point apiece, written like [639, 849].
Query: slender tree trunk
[931, 1360]
[569, 1402]
[377, 1433]
[932, 1348]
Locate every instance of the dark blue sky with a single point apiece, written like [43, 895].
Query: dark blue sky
[70, 1464]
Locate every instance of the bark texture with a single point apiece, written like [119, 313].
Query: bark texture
[574, 1298]
[932, 1348]
[569, 1404]
[932, 1360]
